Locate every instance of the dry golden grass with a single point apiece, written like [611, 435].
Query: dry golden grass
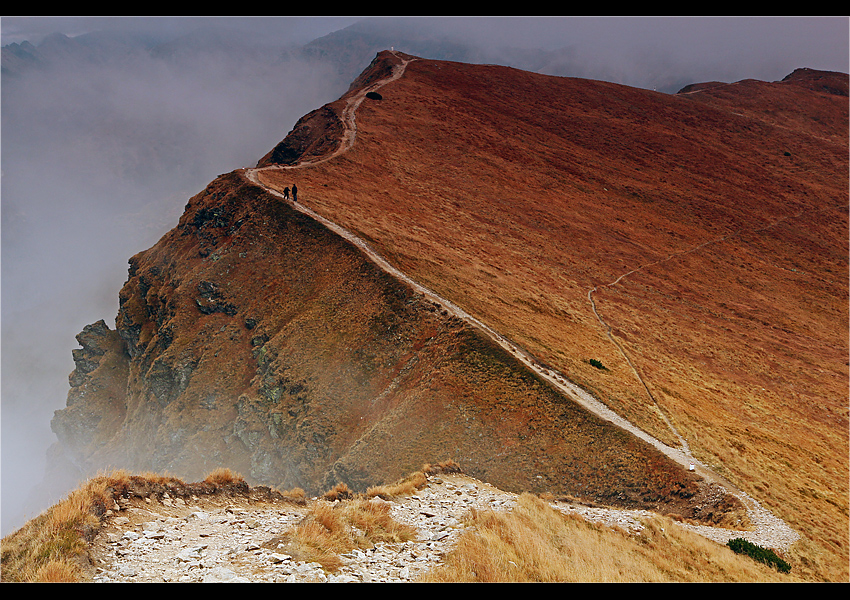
[331, 529]
[53, 547]
[342, 520]
[320, 537]
[56, 571]
[533, 543]
[295, 495]
[536, 543]
[339, 492]
[413, 482]
[50, 547]
[406, 486]
[223, 476]
[373, 519]
[748, 362]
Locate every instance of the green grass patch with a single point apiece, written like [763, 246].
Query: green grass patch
[757, 553]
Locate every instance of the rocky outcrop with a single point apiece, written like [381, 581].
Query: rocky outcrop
[276, 349]
[96, 340]
[96, 403]
[316, 134]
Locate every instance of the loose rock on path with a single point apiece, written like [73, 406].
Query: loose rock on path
[227, 538]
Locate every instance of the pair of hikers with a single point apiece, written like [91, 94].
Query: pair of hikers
[294, 193]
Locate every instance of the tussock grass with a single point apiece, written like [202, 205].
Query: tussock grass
[413, 482]
[373, 519]
[536, 543]
[408, 485]
[331, 529]
[339, 492]
[533, 543]
[53, 547]
[295, 495]
[223, 477]
[320, 537]
[341, 520]
[55, 571]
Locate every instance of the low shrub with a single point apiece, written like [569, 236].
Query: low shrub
[339, 492]
[762, 555]
[595, 363]
[223, 477]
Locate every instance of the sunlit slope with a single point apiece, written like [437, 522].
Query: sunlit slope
[709, 229]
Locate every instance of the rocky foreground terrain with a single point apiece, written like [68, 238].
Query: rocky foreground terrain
[234, 538]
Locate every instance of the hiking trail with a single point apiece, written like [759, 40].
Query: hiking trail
[762, 519]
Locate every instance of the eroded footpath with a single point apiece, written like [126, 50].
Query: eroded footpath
[231, 538]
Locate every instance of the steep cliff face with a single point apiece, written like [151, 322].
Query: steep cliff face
[96, 404]
[251, 336]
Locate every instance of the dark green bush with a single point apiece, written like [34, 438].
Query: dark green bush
[762, 555]
[595, 363]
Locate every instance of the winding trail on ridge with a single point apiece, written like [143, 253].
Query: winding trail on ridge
[769, 530]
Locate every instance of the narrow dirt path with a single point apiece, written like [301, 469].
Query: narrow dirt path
[682, 455]
[673, 255]
[609, 332]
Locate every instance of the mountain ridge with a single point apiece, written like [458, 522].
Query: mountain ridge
[798, 230]
[148, 311]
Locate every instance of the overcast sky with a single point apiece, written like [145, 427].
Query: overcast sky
[299, 30]
[98, 161]
[745, 47]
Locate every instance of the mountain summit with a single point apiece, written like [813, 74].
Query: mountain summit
[563, 285]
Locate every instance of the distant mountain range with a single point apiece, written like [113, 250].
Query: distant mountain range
[349, 50]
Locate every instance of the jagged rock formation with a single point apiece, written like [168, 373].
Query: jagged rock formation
[254, 338]
[251, 336]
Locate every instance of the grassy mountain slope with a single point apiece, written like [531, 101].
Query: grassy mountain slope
[707, 230]
[522, 197]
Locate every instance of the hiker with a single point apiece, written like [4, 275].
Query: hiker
[286, 193]
[294, 193]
